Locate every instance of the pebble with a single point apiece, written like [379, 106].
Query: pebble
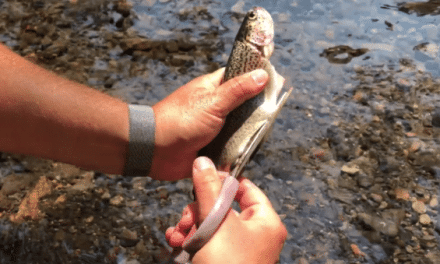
[415, 146]
[320, 154]
[180, 60]
[356, 251]
[434, 201]
[139, 182]
[117, 200]
[376, 119]
[410, 134]
[383, 205]
[419, 207]
[302, 261]
[269, 177]
[376, 197]
[425, 219]
[106, 195]
[402, 194]
[162, 192]
[350, 170]
[61, 199]
[127, 234]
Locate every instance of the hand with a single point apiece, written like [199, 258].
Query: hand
[256, 235]
[191, 117]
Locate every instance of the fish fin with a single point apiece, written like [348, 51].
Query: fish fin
[250, 148]
[258, 138]
[275, 83]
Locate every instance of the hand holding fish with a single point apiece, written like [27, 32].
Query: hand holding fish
[188, 119]
[247, 233]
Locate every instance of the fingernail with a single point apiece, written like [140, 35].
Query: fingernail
[203, 163]
[259, 76]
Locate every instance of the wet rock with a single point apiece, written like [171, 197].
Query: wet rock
[123, 7]
[60, 235]
[128, 238]
[356, 251]
[159, 54]
[383, 205]
[172, 46]
[402, 194]
[185, 45]
[376, 197]
[425, 219]
[85, 183]
[342, 54]
[82, 241]
[109, 83]
[139, 43]
[140, 182]
[388, 223]
[162, 192]
[106, 195]
[388, 164]
[342, 195]
[184, 186]
[364, 180]
[29, 207]
[117, 200]
[180, 60]
[419, 207]
[302, 261]
[55, 50]
[434, 201]
[15, 183]
[65, 171]
[61, 200]
[5, 202]
[350, 169]
[36, 164]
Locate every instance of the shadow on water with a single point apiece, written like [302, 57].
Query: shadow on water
[352, 163]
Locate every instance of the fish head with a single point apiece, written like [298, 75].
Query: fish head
[258, 29]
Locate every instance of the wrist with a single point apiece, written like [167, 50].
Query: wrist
[141, 144]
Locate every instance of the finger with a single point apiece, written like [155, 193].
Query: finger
[188, 217]
[175, 237]
[207, 185]
[215, 78]
[239, 89]
[222, 175]
[249, 195]
[169, 233]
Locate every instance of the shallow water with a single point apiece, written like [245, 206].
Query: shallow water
[347, 109]
[314, 212]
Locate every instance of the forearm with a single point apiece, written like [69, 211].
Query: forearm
[48, 116]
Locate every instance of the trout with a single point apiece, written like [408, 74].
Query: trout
[247, 127]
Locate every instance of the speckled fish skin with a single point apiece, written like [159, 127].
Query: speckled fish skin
[252, 48]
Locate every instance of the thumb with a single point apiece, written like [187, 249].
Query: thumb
[237, 90]
[207, 185]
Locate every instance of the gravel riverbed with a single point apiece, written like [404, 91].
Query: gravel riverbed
[352, 166]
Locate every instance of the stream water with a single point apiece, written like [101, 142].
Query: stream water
[352, 154]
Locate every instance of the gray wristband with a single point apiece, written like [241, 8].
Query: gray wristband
[141, 140]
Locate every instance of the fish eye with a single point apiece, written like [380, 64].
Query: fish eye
[252, 15]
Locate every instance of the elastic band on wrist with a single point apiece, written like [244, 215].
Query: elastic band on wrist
[141, 140]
